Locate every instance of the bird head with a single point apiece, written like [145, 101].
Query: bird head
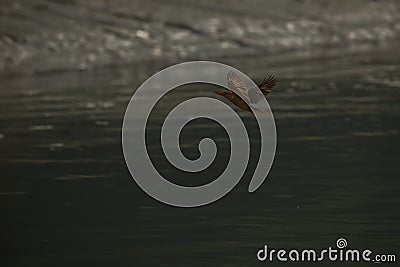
[220, 93]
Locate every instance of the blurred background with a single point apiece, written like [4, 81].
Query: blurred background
[68, 69]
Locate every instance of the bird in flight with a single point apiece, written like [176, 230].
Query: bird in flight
[251, 96]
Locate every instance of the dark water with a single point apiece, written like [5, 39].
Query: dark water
[67, 199]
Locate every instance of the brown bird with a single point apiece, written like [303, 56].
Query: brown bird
[251, 96]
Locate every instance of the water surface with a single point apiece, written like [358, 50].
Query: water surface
[67, 197]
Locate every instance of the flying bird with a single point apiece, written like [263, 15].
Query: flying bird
[251, 96]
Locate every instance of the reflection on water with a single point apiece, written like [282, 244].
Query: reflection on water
[67, 197]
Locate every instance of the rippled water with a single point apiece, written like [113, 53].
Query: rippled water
[52, 35]
[67, 197]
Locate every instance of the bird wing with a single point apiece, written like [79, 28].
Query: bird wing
[265, 88]
[267, 84]
[236, 85]
[255, 95]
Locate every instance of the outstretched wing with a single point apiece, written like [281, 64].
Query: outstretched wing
[267, 85]
[236, 85]
[265, 88]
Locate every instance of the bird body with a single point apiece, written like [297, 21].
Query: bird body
[235, 99]
[247, 97]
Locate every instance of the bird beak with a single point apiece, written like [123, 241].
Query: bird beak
[219, 93]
